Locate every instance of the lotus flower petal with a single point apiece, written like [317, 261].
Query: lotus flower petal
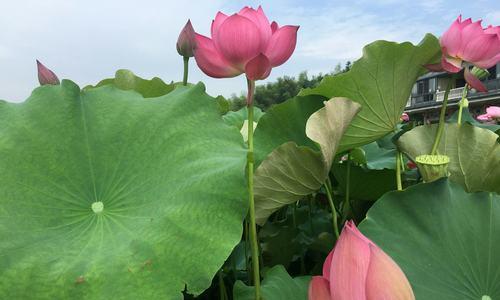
[219, 19]
[493, 112]
[258, 68]
[328, 264]
[481, 47]
[473, 81]
[434, 67]
[282, 44]
[274, 27]
[350, 263]
[452, 38]
[450, 64]
[210, 61]
[238, 40]
[484, 117]
[259, 18]
[319, 289]
[385, 280]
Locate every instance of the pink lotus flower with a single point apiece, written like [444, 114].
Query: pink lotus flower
[186, 43]
[405, 117]
[492, 114]
[244, 42]
[357, 269]
[466, 43]
[45, 75]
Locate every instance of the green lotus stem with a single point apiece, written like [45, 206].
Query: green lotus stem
[348, 181]
[398, 170]
[222, 287]
[461, 104]
[403, 168]
[186, 70]
[251, 200]
[329, 195]
[442, 115]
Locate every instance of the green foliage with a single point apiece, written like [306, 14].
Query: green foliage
[291, 172]
[445, 239]
[168, 172]
[365, 184]
[381, 81]
[237, 118]
[126, 80]
[284, 88]
[474, 153]
[277, 285]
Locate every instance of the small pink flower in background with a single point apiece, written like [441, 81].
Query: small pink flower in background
[244, 42]
[467, 43]
[405, 117]
[45, 75]
[411, 165]
[357, 269]
[186, 43]
[492, 114]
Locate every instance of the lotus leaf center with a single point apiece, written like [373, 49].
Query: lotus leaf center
[97, 207]
[486, 297]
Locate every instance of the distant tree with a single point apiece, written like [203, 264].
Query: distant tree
[283, 88]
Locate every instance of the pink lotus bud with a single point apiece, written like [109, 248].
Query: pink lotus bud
[46, 76]
[357, 269]
[405, 117]
[465, 43]
[186, 43]
[244, 42]
[492, 114]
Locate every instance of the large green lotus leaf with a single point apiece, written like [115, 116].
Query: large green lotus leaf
[285, 122]
[378, 158]
[126, 80]
[445, 240]
[365, 184]
[169, 175]
[237, 118]
[381, 81]
[277, 285]
[291, 172]
[474, 153]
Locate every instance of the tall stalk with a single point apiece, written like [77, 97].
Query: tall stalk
[399, 167]
[461, 104]
[251, 200]
[329, 195]
[186, 70]
[442, 116]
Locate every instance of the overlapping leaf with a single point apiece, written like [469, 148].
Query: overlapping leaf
[237, 118]
[285, 122]
[381, 82]
[445, 239]
[290, 171]
[126, 80]
[474, 153]
[277, 285]
[168, 172]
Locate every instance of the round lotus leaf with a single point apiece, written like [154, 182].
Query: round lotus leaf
[447, 241]
[106, 195]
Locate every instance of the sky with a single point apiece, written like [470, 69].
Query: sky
[88, 40]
